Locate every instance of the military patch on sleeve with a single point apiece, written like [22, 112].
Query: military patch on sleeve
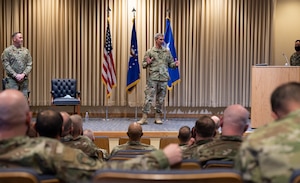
[68, 154]
[84, 159]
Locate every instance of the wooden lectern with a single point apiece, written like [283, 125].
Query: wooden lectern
[264, 80]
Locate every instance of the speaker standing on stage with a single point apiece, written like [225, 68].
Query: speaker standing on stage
[295, 58]
[157, 59]
[17, 63]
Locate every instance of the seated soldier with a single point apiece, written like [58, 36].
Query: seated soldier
[135, 132]
[49, 124]
[184, 135]
[203, 132]
[50, 156]
[89, 133]
[233, 124]
[83, 142]
[271, 152]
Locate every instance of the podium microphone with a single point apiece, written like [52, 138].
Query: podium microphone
[286, 59]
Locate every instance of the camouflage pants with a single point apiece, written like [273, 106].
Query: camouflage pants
[13, 84]
[155, 89]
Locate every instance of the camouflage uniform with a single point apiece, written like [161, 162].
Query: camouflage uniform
[17, 61]
[49, 156]
[103, 154]
[271, 153]
[158, 77]
[132, 145]
[187, 151]
[83, 143]
[223, 148]
[295, 59]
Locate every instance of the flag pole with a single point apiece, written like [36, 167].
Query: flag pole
[135, 112]
[133, 73]
[106, 99]
[168, 13]
[165, 108]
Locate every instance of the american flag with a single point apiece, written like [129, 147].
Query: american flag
[108, 67]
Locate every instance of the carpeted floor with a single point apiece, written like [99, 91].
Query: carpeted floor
[121, 124]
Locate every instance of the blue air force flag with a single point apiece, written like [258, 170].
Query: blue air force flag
[169, 43]
[133, 73]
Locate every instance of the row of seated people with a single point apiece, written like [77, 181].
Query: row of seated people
[135, 139]
[63, 127]
[71, 129]
[202, 142]
[250, 157]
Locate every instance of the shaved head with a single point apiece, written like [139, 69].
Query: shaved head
[135, 131]
[77, 125]
[236, 118]
[14, 112]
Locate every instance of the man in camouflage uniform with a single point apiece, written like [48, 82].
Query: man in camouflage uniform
[83, 142]
[135, 132]
[271, 152]
[234, 123]
[295, 58]
[49, 156]
[203, 132]
[49, 123]
[157, 60]
[17, 63]
[184, 136]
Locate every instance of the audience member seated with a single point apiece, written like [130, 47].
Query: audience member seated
[203, 132]
[233, 124]
[185, 136]
[49, 124]
[134, 133]
[89, 133]
[271, 152]
[83, 142]
[216, 119]
[80, 142]
[49, 156]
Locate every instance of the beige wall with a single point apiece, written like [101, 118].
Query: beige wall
[286, 30]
